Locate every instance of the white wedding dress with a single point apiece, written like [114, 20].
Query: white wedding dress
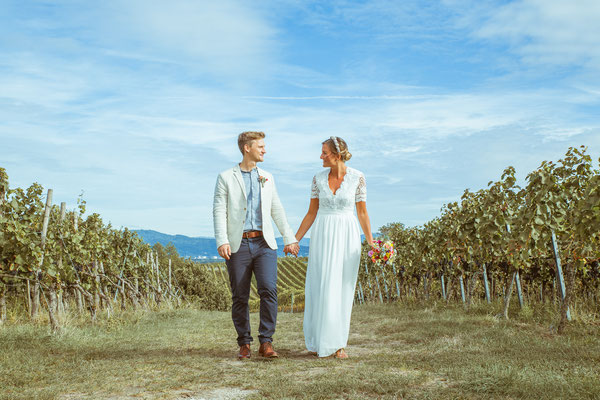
[333, 261]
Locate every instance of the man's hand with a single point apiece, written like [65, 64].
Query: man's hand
[224, 251]
[292, 248]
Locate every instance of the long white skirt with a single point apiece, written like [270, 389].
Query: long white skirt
[333, 261]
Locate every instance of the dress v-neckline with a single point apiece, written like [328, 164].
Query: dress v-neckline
[339, 187]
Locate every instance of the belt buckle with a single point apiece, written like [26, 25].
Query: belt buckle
[252, 234]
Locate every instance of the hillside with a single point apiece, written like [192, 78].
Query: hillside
[201, 248]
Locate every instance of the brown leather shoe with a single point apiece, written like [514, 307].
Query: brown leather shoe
[244, 352]
[266, 350]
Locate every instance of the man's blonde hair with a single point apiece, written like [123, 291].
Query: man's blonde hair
[248, 137]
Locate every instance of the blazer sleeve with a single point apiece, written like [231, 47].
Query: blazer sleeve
[278, 216]
[220, 212]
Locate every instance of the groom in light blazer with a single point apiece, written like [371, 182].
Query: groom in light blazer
[245, 204]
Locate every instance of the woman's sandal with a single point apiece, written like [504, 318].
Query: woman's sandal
[340, 354]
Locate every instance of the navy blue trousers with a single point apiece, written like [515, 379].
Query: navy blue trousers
[254, 256]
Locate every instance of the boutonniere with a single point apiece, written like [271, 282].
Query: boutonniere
[262, 180]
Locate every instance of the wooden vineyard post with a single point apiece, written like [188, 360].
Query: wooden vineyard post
[123, 295]
[150, 263]
[369, 280]
[159, 290]
[508, 294]
[519, 291]
[60, 311]
[36, 282]
[396, 280]
[361, 293]
[106, 303]
[462, 288]
[387, 292]
[485, 284]
[170, 286]
[95, 307]
[559, 273]
[379, 289]
[292, 307]
[78, 295]
[28, 295]
[157, 275]
[517, 279]
[52, 306]
[443, 287]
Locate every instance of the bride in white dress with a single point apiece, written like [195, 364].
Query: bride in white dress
[335, 247]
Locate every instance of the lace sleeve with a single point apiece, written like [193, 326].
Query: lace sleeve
[314, 193]
[361, 189]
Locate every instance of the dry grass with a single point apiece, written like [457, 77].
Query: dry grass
[396, 351]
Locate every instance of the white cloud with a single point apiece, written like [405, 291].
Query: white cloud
[548, 31]
[222, 38]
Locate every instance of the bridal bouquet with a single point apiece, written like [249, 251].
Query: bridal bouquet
[382, 252]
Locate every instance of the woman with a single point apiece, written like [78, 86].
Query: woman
[334, 252]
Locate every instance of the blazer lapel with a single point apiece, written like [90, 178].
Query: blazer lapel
[263, 204]
[237, 172]
[262, 186]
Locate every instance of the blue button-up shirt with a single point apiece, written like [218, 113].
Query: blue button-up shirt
[253, 211]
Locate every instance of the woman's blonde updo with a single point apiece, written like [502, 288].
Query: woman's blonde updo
[337, 145]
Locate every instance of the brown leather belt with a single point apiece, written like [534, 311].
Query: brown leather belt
[251, 234]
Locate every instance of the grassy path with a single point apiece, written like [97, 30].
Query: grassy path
[396, 352]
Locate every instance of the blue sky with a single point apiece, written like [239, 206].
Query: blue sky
[139, 103]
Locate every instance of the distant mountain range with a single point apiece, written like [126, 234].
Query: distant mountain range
[202, 248]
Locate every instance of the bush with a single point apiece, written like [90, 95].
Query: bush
[200, 287]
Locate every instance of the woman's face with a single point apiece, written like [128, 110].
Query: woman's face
[329, 159]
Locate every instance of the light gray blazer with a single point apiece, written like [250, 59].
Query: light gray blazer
[229, 210]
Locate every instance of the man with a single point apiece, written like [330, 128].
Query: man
[245, 202]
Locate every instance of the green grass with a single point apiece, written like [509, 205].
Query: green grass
[396, 351]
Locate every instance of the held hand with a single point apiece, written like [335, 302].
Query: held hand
[292, 248]
[295, 249]
[225, 251]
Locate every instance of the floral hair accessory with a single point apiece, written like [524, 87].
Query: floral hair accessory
[337, 145]
[262, 180]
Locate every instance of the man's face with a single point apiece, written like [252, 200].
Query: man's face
[257, 150]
